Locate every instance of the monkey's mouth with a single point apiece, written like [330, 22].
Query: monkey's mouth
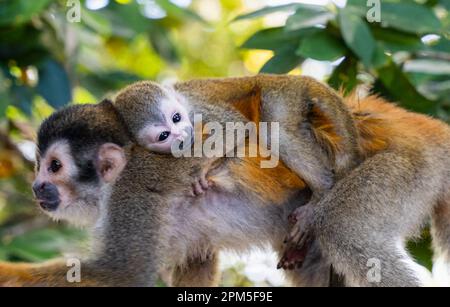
[49, 205]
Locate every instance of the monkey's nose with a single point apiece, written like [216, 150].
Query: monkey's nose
[38, 188]
[47, 194]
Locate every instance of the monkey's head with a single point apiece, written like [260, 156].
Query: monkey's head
[157, 116]
[79, 154]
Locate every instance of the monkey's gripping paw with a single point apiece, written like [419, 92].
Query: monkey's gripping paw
[200, 186]
[299, 239]
[293, 258]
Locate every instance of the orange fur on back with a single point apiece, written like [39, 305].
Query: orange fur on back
[271, 185]
[250, 106]
[381, 125]
[324, 131]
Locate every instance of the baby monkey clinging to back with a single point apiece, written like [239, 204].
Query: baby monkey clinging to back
[159, 116]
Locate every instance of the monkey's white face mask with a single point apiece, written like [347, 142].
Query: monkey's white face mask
[59, 191]
[175, 130]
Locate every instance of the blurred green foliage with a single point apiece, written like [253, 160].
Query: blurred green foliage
[405, 56]
[46, 62]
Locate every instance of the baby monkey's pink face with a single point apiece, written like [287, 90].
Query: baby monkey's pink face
[173, 129]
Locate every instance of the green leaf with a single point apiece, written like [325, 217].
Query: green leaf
[4, 99]
[380, 57]
[402, 90]
[445, 3]
[321, 46]
[283, 61]
[273, 38]
[268, 10]
[422, 250]
[20, 11]
[357, 36]
[345, 75]
[442, 46]
[54, 84]
[179, 12]
[159, 36]
[394, 40]
[23, 44]
[429, 66]
[308, 17]
[126, 20]
[357, 7]
[97, 22]
[434, 87]
[410, 17]
[42, 244]
[100, 83]
[22, 97]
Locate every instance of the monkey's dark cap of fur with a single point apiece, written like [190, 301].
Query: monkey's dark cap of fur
[83, 126]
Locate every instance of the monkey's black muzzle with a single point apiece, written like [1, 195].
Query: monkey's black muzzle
[47, 195]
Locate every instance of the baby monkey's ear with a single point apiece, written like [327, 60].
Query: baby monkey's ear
[111, 161]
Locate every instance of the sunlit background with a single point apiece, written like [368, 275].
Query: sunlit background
[49, 60]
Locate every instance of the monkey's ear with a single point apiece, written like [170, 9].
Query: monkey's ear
[111, 161]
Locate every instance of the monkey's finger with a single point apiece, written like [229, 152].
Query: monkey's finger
[198, 190]
[301, 241]
[191, 193]
[204, 183]
[294, 231]
[292, 219]
[280, 264]
[284, 263]
[304, 243]
[296, 234]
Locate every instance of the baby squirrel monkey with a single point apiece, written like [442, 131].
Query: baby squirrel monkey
[161, 118]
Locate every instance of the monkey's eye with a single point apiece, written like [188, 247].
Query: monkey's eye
[55, 166]
[176, 118]
[163, 136]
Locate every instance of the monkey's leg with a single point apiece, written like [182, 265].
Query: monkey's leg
[198, 273]
[301, 153]
[362, 223]
[441, 242]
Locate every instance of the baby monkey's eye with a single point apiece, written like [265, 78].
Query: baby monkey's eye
[163, 136]
[55, 166]
[176, 118]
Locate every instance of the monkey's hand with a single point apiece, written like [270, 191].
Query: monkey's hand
[200, 185]
[299, 239]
